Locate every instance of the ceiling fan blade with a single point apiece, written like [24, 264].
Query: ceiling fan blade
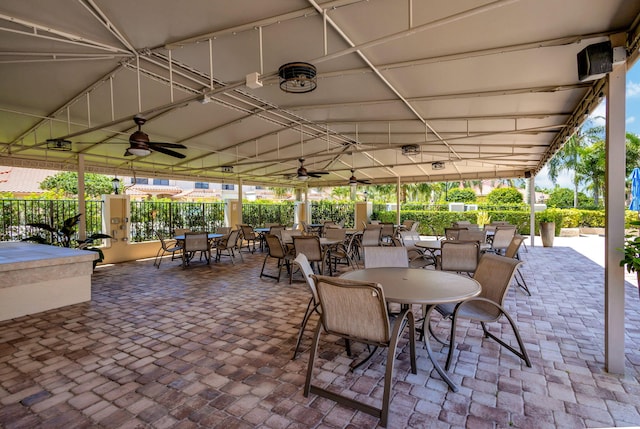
[364, 182]
[162, 144]
[168, 152]
[317, 172]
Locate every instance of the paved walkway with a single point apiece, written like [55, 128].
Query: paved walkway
[210, 347]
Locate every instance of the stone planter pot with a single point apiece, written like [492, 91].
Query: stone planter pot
[547, 232]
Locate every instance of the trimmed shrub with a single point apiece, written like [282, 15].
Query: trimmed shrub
[458, 195]
[505, 196]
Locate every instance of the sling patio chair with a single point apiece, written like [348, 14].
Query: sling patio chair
[418, 258]
[513, 252]
[371, 236]
[229, 244]
[195, 242]
[452, 233]
[250, 236]
[357, 312]
[166, 246]
[459, 256]
[502, 238]
[387, 232]
[344, 253]
[276, 250]
[386, 256]
[302, 263]
[312, 249]
[494, 273]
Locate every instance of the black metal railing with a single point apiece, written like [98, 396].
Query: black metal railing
[16, 214]
[258, 214]
[325, 210]
[150, 216]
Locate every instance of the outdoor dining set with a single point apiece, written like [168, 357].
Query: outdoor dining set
[364, 282]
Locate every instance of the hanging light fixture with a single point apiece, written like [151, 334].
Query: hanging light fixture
[115, 182]
[297, 77]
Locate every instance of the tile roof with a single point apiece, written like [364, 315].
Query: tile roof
[23, 180]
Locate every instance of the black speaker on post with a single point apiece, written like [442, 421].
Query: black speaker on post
[527, 174]
[595, 61]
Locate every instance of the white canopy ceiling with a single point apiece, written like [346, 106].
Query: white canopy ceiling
[484, 89]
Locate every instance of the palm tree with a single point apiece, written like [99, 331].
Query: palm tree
[591, 168]
[416, 192]
[280, 192]
[568, 157]
[341, 192]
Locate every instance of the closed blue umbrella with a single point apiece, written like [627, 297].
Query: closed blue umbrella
[635, 190]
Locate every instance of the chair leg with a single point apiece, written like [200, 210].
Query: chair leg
[521, 282]
[159, 255]
[522, 353]
[312, 359]
[263, 264]
[305, 320]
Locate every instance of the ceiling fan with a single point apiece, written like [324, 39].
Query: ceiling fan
[140, 145]
[304, 174]
[353, 181]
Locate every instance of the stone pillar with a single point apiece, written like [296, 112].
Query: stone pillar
[363, 211]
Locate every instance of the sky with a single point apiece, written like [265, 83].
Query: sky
[632, 121]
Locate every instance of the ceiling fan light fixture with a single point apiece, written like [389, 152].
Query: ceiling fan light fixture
[59, 144]
[410, 149]
[138, 148]
[437, 165]
[302, 174]
[297, 77]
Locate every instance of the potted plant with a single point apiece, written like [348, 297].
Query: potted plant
[483, 218]
[547, 221]
[631, 251]
[63, 234]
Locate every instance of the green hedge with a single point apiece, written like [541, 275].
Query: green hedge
[564, 218]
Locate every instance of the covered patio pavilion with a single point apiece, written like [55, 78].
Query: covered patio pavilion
[406, 92]
[211, 347]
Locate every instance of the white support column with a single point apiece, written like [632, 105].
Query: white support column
[398, 201]
[82, 207]
[239, 201]
[532, 212]
[307, 204]
[614, 356]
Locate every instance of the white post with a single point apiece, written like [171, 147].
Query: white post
[240, 201]
[398, 200]
[532, 205]
[82, 207]
[614, 356]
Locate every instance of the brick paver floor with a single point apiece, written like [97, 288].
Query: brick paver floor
[210, 347]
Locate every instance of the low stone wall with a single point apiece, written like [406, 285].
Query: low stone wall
[577, 232]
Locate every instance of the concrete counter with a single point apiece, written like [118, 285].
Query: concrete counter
[38, 277]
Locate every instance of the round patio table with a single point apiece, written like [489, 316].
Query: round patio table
[210, 236]
[419, 286]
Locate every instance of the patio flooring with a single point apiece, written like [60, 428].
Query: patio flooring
[211, 346]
